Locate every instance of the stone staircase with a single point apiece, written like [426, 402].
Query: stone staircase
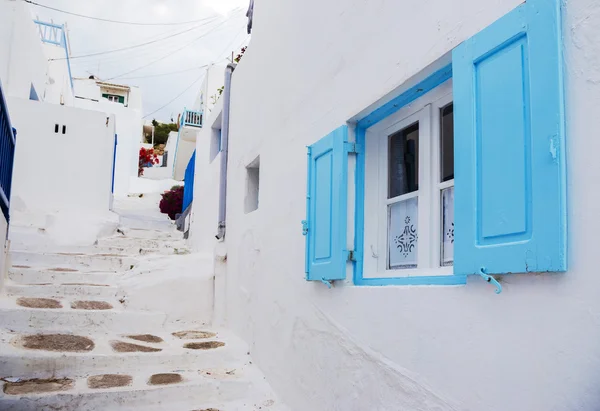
[69, 340]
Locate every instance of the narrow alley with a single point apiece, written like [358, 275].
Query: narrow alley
[73, 339]
[317, 205]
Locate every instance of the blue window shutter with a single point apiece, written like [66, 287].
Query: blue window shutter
[326, 220]
[510, 205]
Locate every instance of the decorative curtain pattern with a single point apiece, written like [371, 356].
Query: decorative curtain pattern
[403, 234]
[447, 226]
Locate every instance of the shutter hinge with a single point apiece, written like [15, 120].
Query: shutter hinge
[304, 227]
[353, 255]
[354, 148]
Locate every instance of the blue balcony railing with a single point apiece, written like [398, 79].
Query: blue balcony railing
[188, 187]
[55, 34]
[191, 118]
[7, 156]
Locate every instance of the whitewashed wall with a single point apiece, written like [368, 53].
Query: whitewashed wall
[310, 67]
[62, 181]
[205, 211]
[128, 128]
[22, 59]
[184, 150]
[214, 79]
[58, 83]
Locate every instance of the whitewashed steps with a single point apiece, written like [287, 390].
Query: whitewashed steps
[31, 276]
[244, 390]
[132, 243]
[149, 233]
[77, 321]
[82, 291]
[27, 363]
[96, 262]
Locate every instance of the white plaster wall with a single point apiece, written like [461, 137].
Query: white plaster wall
[58, 83]
[87, 89]
[61, 180]
[4, 246]
[128, 128]
[205, 211]
[22, 59]
[184, 151]
[309, 68]
[214, 79]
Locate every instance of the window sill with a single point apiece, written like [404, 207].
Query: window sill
[414, 280]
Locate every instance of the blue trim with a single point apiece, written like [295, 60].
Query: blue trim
[33, 94]
[362, 125]
[193, 119]
[57, 39]
[7, 154]
[52, 25]
[112, 190]
[405, 98]
[430, 280]
[188, 187]
[305, 223]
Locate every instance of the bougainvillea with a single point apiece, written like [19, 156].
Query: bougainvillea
[172, 202]
[147, 159]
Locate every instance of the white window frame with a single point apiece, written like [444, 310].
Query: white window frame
[427, 111]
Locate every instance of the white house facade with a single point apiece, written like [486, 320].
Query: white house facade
[125, 102]
[432, 249]
[64, 174]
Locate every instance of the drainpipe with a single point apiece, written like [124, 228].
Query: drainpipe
[224, 151]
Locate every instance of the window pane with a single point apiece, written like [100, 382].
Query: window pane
[403, 234]
[447, 141]
[403, 153]
[447, 226]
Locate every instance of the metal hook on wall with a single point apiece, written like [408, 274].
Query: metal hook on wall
[490, 279]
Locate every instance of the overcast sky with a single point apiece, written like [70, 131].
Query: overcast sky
[208, 41]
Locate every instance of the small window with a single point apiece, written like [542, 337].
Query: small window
[252, 186]
[215, 143]
[446, 184]
[409, 183]
[114, 98]
[403, 186]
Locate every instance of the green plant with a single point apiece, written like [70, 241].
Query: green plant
[162, 130]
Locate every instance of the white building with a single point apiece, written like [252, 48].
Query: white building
[125, 102]
[399, 102]
[192, 120]
[63, 175]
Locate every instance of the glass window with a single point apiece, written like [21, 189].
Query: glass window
[403, 156]
[447, 143]
[403, 234]
[447, 190]
[447, 226]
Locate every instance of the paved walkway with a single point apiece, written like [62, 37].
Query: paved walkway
[74, 335]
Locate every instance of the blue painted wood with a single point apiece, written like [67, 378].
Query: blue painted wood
[426, 280]
[405, 98]
[112, 189]
[188, 187]
[191, 118]
[7, 155]
[327, 194]
[510, 203]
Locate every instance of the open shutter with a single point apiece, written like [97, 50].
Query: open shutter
[510, 206]
[326, 202]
